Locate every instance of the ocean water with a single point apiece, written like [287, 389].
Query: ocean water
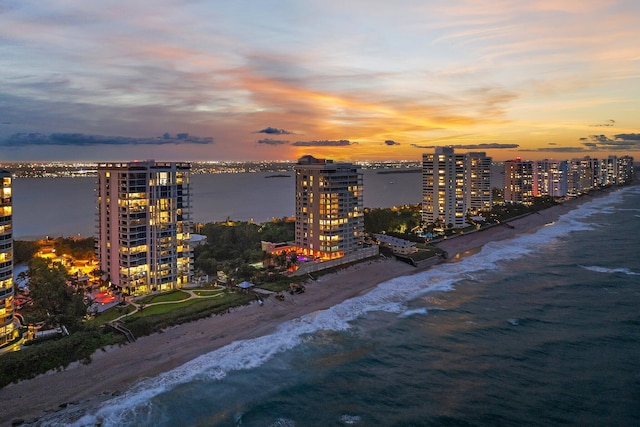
[67, 206]
[539, 330]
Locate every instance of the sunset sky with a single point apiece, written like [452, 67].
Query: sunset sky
[348, 80]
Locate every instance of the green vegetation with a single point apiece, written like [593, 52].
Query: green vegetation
[24, 250]
[156, 318]
[232, 246]
[54, 354]
[110, 315]
[209, 293]
[76, 247]
[171, 296]
[52, 298]
[398, 220]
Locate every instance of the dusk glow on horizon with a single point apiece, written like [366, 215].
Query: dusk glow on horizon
[353, 80]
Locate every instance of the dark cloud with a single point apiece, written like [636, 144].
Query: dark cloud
[80, 139]
[274, 131]
[557, 150]
[270, 141]
[622, 141]
[600, 139]
[553, 143]
[628, 136]
[608, 123]
[490, 146]
[340, 143]
[565, 149]
[391, 142]
[591, 143]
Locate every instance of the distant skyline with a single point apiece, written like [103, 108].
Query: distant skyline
[350, 80]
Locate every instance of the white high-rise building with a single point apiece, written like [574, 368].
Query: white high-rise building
[581, 175]
[329, 208]
[625, 170]
[518, 181]
[443, 188]
[550, 178]
[8, 328]
[144, 225]
[478, 182]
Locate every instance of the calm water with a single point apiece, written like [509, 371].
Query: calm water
[66, 206]
[539, 330]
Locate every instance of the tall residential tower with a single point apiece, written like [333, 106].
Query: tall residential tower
[329, 208]
[144, 225]
[8, 329]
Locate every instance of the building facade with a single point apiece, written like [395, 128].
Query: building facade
[625, 170]
[443, 188]
[8, 328]
[550, 178]
[144, 225]
[518, 181]
[478, 195]
[329, 208]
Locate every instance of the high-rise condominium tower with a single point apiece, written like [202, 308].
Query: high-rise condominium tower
[329, 208]
[550, 178]
[144, 225]
[443, 188]
[8, 330]
[478, 182]
[518, 181]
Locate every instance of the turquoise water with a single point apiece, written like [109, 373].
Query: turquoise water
[539, 330]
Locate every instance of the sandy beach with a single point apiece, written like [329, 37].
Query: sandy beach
[114, 370]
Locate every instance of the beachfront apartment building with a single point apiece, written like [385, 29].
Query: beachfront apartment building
[143, 225]
[526, 179]
[329, 208]
[625, 170]
[454, 185]
[581, 175]
[8, 328]
[443, 179]
[478, 194]
[550, 178]
[518, 181]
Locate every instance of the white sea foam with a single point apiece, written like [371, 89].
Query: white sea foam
[283, 422]
[350, 419]
[609, 270]
[409, 313]
[390, 296]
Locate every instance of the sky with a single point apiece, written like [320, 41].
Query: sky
[350, 80]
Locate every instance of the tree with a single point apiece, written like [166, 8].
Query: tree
[58, 302]
[24, 250]
[80, 248]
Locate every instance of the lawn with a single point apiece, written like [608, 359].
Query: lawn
[171, 296]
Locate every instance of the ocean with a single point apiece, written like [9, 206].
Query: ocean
[67, 206]
[539, 330]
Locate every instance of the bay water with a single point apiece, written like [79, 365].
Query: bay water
[539, 330]
[67, 206]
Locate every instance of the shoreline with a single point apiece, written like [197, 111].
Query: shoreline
[116, 369]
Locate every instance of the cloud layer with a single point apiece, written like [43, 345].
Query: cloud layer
[487, 146]
[392, 77]
[79, 139]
